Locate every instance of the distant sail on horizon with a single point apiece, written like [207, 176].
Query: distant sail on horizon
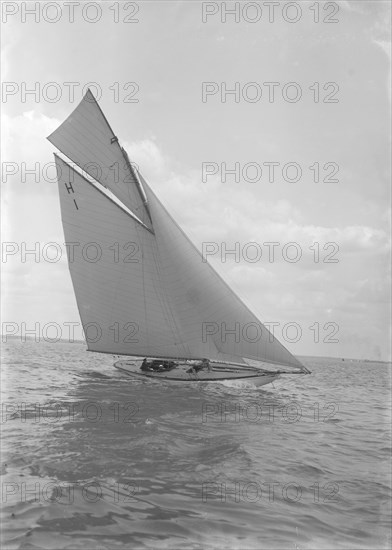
[158, 302]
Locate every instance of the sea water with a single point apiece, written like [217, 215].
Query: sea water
[94, 459]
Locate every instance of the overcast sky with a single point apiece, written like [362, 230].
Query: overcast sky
[170, 132]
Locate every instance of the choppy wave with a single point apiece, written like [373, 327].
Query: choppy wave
[94, 459]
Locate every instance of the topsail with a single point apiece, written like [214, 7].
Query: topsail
[88, 140]
[142, 288]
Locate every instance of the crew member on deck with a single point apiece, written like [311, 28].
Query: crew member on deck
[206, 364]
[144, 364]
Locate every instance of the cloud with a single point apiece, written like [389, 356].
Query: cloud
[23, 136]
[351, 6]
[351, 292]
[148, 156]
[216, 212]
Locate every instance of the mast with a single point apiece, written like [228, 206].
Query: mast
[156, 303]
[138, 183]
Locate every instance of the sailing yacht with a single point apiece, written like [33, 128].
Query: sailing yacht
[143, 290]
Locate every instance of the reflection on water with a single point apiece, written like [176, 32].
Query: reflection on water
[97, 460]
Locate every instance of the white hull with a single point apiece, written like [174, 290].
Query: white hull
[219, 373]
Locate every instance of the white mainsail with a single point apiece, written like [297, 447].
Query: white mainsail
[114, 269]
[164, 300]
